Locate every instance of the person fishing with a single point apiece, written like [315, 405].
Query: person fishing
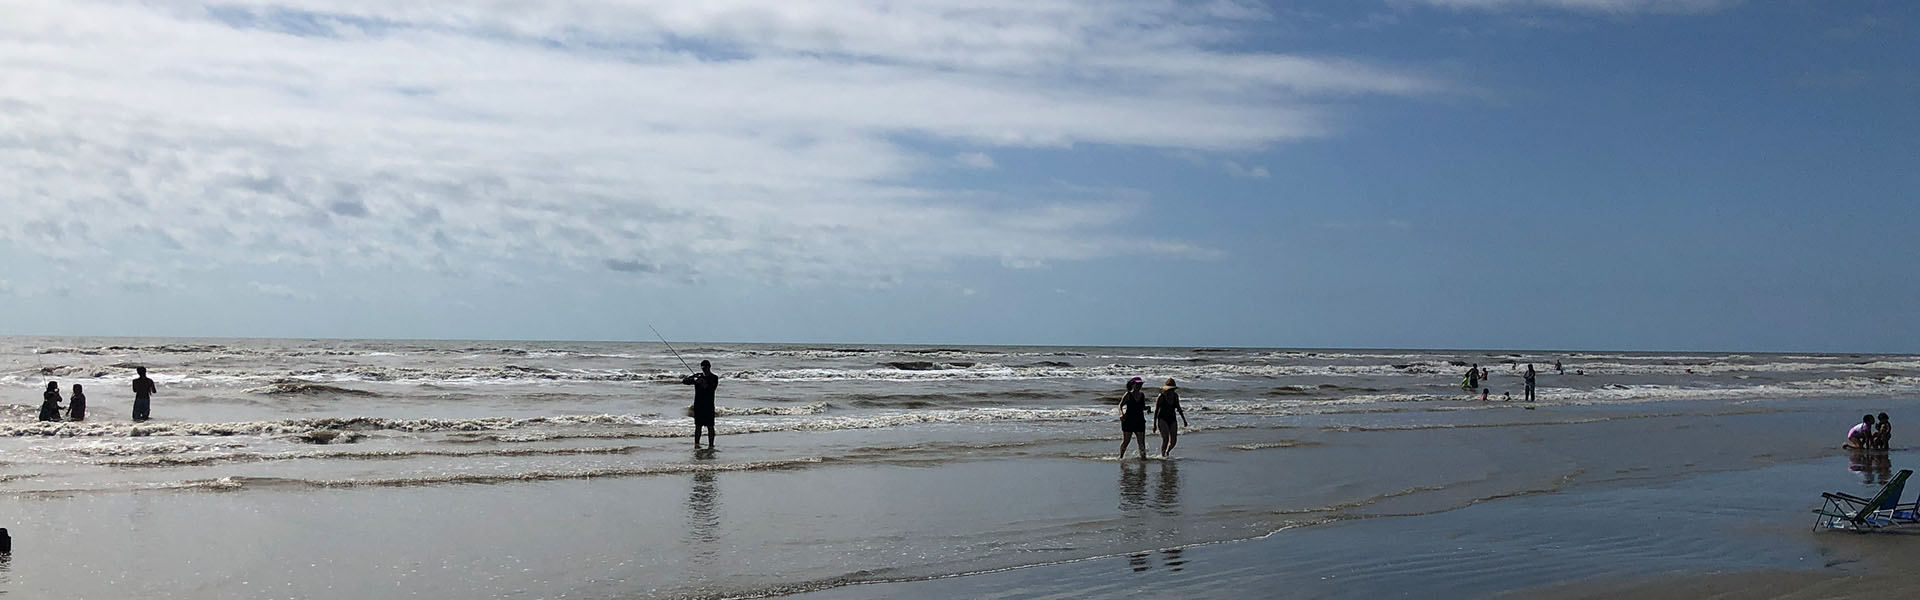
[1133, 417]
[50, 402]
[77, 405]
[1164, 409]
[704, 383]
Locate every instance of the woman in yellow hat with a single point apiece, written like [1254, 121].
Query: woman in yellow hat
[1163, 411]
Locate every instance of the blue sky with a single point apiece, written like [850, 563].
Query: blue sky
[1556, 174]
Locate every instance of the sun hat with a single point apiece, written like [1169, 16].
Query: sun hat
[1169, 384]
[1136, 380]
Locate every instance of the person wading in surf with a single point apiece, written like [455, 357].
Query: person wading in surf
[1164, 408]
[143, 390]
[77, 405]
[50, 402]
[1133, 418]
[703, 384]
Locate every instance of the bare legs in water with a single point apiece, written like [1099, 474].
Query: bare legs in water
[1128, 436]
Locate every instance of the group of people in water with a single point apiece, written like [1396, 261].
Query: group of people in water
[1477, 375]
[1869, 435]
[1168, 415]
[1133, 417]
[76, 408]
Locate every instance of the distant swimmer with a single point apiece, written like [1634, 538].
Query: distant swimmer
[1529, 378]
[1164, 408]
[77, 405]
[50, 402]
[1133, 417]
[143, 390]
[1882, 433]
[1858, 438]
[1557, 369]
[704, 383]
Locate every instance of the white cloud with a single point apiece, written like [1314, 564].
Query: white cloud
[977, 160]
[1237, 170]
[278, 290]
[634, 139]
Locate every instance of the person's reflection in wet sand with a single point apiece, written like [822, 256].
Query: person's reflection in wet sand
[1133, 486]
[1874, 467]
[1172, 558]
[1166, 495]
[703, 518]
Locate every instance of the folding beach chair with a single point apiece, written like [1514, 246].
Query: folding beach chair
[1846, 511]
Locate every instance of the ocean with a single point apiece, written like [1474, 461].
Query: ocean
[460, 469]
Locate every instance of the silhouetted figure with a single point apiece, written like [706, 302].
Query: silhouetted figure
[704, 383]
[77, 405]
[1883, 433]
[50, 402]
[1529, 378]
[1557, 369]
[1473, 378]
[143, 390]
[1133, 417]
[1164, 408]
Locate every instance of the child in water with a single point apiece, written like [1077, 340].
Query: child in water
[1861, 435]
[1883, 433]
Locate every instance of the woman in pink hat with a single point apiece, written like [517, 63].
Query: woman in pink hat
[1133, 418]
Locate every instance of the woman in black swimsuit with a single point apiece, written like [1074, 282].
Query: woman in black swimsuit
[1164, 410]
[1133, 418]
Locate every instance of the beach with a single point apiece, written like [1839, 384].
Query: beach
[446, 469]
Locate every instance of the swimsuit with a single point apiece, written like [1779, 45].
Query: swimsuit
[1135, 418]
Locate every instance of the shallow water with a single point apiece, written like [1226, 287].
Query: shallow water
[561, 470]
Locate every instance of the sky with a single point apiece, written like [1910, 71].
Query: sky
[1525, 174]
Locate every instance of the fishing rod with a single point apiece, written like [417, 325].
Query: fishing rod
[676, 353]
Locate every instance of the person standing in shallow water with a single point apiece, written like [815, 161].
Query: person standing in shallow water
[50, 402]
[1133, 417]
[77, 405]
[143, 390]
[704, 383]
[1883, 433]
[1164, 408]
[1529, 378]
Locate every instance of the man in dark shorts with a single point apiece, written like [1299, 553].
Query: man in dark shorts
[143, 390]
[703, 384]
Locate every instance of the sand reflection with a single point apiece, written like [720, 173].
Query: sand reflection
[703, 514]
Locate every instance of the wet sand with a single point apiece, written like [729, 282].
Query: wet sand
[1709, 528]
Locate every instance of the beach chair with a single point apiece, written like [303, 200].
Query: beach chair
[1846, 511]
